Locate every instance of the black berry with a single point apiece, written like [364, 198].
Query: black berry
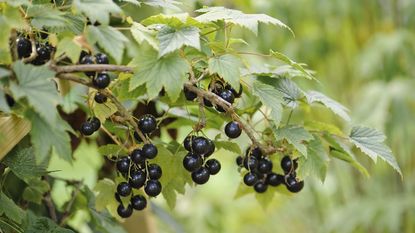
[88, 60]
[100, 98]
[201, 175]
[290, 181]
[213, 166]
[250, 179]
[147, 123]
[24, 47]
[43, 53]
[207, 102]
[101, 81]
[124, 189]
[211, 148]
[286, 164]
[237, 94]
[200, 145]
[96, 123]
[187, 143]
[274, 179]
[256, 152]
[10, 101]
[192, 162]
[138, 202]
[232, 129]
[153, 188]
[101, 58]
[296, 187]
[137, 137]
[154, 171]
[117, 197]
[239, 161]
[137, 179]
[190, 95]
[124, 212]
[137, 156]
[250, 163]
[150, 151]
[227, 95]
[260, 187]
[264, 166]
[87, 128]
[123, 165]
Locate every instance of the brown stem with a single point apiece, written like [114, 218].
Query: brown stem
[49, 204]
[33, 55]
[83, 68]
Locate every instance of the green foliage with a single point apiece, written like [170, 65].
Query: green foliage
[295, 135]
[227, 66]
[10, 209]
[24, 165]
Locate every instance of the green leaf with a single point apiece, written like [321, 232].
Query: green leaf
[229, 146]
[371, 142]
[105, 190]
[337, 108]
[35, 83]
[68, 48]
[141, 34]
[17, 2]
[292, 63]
[104, 223]
[44, 137]
[323, 127]
[45, 16]
[269, 97]
[168, 71]
[290, 92]
[35, 224]
[249, 21]
[173, 20]
[97, 10]
[10, 17]
[111, 149]
[24, 165]
[109, 38]
[168, 4]
[4, 107]
[34, 192]
[73, 98]
[227, 66]
[135, 2]
[296, 136]
[172, 39]
[10, 209]
[104, 111]
[316, 162]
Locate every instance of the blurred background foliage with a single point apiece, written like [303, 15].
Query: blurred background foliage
[364, 54]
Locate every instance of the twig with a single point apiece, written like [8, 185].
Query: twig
[94, 67]
[113, 137]
[51, 208]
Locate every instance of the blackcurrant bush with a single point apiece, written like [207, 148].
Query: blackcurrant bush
[154, 171]
[147, 123]
[88, 60]
[239, 161]
[201, 175]
[137, 179]
[150, 151]
[96, 123]
[138, 202]
[211, 148]
[124, 212]
[190, 95]
[274, 179]
[101, 81]
[124, 189]
[100, 98]
[264, 166]
[137, 156]
[286, 164]
[101, 58]
[187, 143]
[192, 162]
[250, 163]
[153, 188]
[260, 187]
[296, 187]
[233, 129]
[200, 145]
[123, 165]
[250, 179]
[213, 166]
[24, 47]
[87, 128]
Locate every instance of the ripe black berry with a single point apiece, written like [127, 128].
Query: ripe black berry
[124, 212]
[200, 145]
[138, 202]
[239, 161]
[207, 102]
[260, 187]
[211, 148]
[124, 189]
[24, 47]
[100, 98]
[233, 130]
[201, 175]
[274, 179]
[96, 123]
[154, 171]
[137, 156]
[153, 188]
[264, 166]
[123, 164]
[290, 181]
[43, 53]
[234, 92]
[227, 95]
[187, 143]
[137, 137]
[117, 197]
[137, 179]
[192, 162]
[250, 179]
[296, 187]
[101, 81]
[87, 128]
[250, 163]
[286, 164]
[101, 58]
[147, 123]
[256, 152]
[190, 95]
[88, 60]
[213, 166]
[10, 101]
[150, 151]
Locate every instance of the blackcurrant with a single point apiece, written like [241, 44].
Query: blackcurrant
[137, 156]
[10, 101]
[117, 197]
[190, 95]
[24, 47]
[147, 123]
[153, 188]
[150, 151]
[138, 202]
[101, 81]
[286, 164]
[256, 152]
[233, 129]
[211, 148]
[250, 179]
[264, 166]
[137, 137]
[124, 189]
[43, 53]
[237, 94]
[296, 187]
[187, 143]
[227, 95]
[88, 60]
[201, 175]
[200, 145]
[207, 102]
[260, 187]
[154, 171]
[137, 179]
[87, 128]
[101, 58]
[100, 98]
[290, 181]
[192, 162]
[82, 55]
[96, 123]
[250, 163]
[274, 179]
[124, 212]
[239, 161]
[213, 166]
[123, 164]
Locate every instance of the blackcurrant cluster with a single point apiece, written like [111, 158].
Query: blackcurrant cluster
[290, 178]
[196, 162]
[43, 50]
[90, 126]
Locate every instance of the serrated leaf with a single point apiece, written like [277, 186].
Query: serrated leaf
[296, 136]
[290, 92]
[269, 97]
[34, 192]
[172, 20]
[17, 2]
[105, 190]
[36, 224]
[97, 10]
[35, 83]
[292, 63]
[168, 4]
[323, 127]
[45, 16]
[371, 142]
[337, 108]
[104, 111]
[168, 71]
[141, 34]
[69, 48]
[229, 146]
[316, 162]
[111, 149]
[10, 209]
[24, 165]
[249, 21]
[135, 2]
[110, 39]
[227, 66]
[172, 39]
[12, 130]
[73, 98]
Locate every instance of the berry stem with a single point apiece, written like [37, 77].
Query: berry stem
[33, 55]
[113, 138]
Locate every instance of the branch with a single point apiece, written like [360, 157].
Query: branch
[94, 67]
